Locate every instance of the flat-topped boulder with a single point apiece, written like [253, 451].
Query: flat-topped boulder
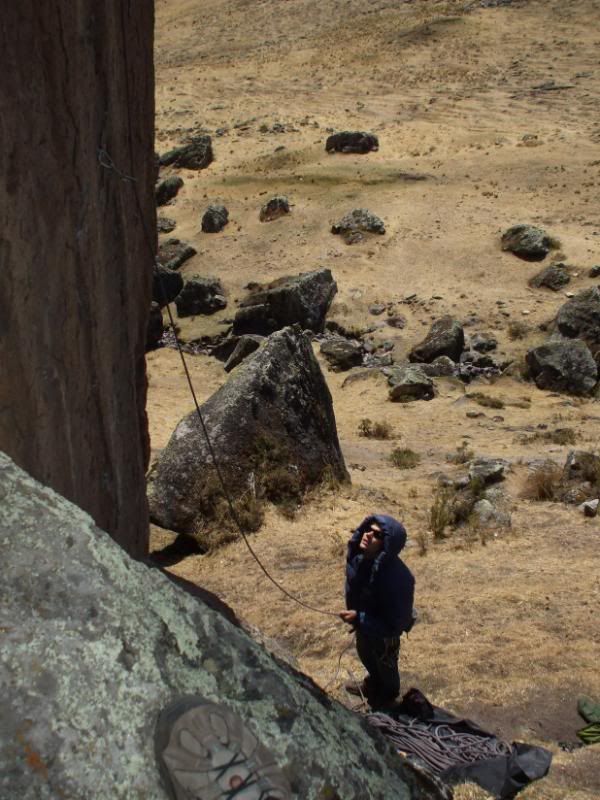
[301, 299]
[272, 427]
[409, 383]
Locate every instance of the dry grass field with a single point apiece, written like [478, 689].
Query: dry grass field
[509, 631]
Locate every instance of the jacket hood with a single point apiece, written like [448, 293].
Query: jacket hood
[394, 536]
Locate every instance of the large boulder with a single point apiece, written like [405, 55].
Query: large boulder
[342, 354]
[95, 645]
[273, 416]
[579, 318]
[445, 338]
[166, 285]
[527, 242]
[303, 299]
[200, 296]
[563, 365]
[246, 345]
[410, 383]
[197, 154]
[351, 142]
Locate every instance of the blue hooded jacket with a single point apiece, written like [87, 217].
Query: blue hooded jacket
[382, 589]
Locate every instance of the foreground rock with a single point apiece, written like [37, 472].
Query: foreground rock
[200, 296]
[168, 189]
[409, 383]
[166, 285]
[351, 142]
[579, 318]
[563, 365]
[274, 208]
[445, 338]
[354, 224]
[527, 242]
[272, 419]
[303, 299]
[215, 218]
[165, 225]
[95, 645]
[198, 154]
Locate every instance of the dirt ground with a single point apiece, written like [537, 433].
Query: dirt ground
[486, 117]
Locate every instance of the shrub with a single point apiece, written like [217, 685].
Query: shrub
[461, 456]
[374, 430]
[543, 484]
[421, 538]
[404, 458]
[559, 436]
[440, 513]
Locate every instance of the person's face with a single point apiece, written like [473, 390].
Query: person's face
[371, 541]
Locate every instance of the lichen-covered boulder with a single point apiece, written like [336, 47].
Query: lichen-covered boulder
[527, 242]
[563, 365]
[274, 208]
[200, 295]
[215, 218]
[168, 189]
[351, 142]
[410, 383]
[445, 338]
[353, 225]
[197, 154]
[342, 354]
[95, 645]
[303, 299]
[274, 416]
[579, 318]
[554, 277]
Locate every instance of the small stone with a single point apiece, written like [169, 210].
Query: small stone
[595, 271]
[200, 296]
[377, 308]
[274, 208]
[215, 218]
[488, 470]
[352, 142]
[590, 508]
[527, 242]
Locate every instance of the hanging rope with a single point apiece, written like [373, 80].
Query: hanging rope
[105, 160]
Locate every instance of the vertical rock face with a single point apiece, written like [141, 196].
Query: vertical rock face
[95, 645]
[74, 261]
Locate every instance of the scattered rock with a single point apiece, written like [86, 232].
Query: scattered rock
[563, 365]
[484, 342]
[342, 354]
[165, 225]
[487, 515]
[527, 242]
[441, 367]
[581, 465]
[214, 218]
[488, 470]
[274, 414]
[168, 189]
[355, 223]
[594, 271]
[166, 285]
[377, 308]
[351, 142]
[274, 208]
[445, 338]
[200, 296]
[303, 299]
[246, 345]
[579, 318]
[154, 330]
[409, 383]
[396, 321]
[198, 154]
[479, 360]
[553, 277]
[173, 253]
[590, 507]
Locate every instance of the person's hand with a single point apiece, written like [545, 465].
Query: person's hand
[349, 616]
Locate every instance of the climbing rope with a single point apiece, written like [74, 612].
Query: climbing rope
[438, 745]
[105, 160]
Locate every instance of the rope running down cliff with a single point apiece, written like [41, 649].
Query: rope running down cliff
[106, 161]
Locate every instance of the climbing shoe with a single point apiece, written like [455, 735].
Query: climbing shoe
[204, 752]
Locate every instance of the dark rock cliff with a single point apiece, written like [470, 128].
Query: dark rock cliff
[74, 261]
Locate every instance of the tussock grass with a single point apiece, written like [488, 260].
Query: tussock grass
[374, 430]
[544, 484]
[404, 458]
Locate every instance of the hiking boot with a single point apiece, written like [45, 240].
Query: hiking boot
[204, 751]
